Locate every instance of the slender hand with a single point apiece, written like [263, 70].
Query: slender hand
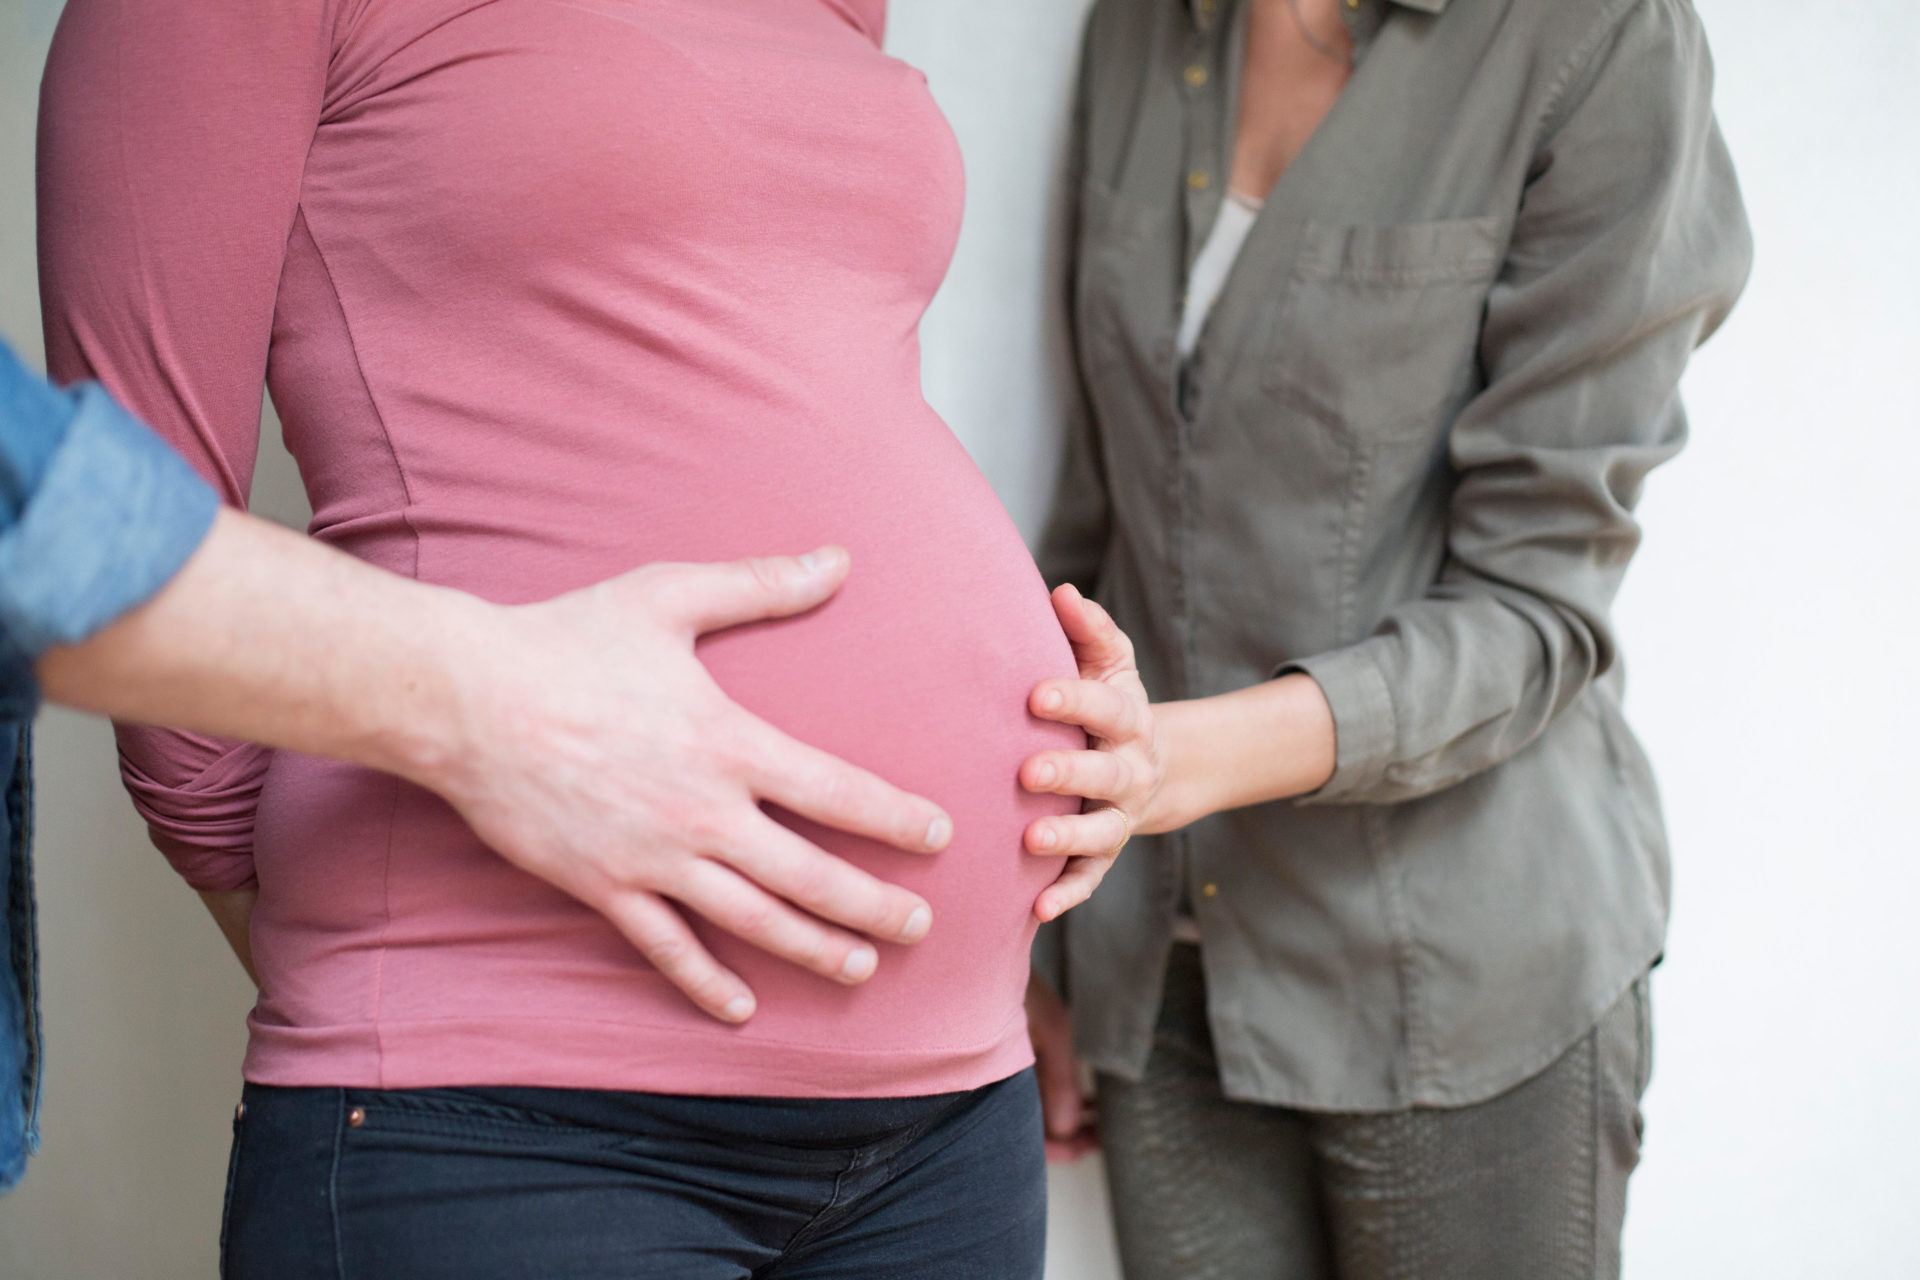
[1069, 1120]
[1157, 768]
[1118, 777]
[580, 738]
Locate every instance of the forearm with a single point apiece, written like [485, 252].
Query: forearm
[267, 636]
[1269, 742]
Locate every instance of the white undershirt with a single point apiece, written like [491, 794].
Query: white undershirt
[1215, 263]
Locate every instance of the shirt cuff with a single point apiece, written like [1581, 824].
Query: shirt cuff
[115, 516]
[1364, 726]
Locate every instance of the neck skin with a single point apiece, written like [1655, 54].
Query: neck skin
[1287, 86]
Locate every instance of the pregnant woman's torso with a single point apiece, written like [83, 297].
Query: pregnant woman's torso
[576, 286]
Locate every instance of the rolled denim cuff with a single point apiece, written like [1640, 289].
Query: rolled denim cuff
[114, 517]
[1365, 727]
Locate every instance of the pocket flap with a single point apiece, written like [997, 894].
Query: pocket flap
[1409, 253]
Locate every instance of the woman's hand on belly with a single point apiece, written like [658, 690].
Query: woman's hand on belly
[1119, 777]
[602, 757]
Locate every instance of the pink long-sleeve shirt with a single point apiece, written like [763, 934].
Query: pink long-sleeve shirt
[544, 290]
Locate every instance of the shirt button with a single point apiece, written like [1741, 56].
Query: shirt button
[1198, 180]
[1196, 75]
[356, 1117]
[1209, 889]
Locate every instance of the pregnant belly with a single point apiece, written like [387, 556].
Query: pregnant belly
[378, 904]
[919, 670]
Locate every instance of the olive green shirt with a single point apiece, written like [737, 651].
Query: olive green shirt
[1404, 459]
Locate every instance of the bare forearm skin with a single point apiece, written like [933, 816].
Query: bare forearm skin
[267, 636]
[1269, 742]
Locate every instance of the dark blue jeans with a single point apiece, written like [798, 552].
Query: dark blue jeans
[570, 1184]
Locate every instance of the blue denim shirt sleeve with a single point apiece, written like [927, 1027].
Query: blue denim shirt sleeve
[102, 513]
[96, 514]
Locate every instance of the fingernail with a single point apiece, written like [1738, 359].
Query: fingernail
[860, 964]
[1045, 775]
[815, 561]
[1052, 700]
[1046, 838]
[939, 831]
[738, 1009]
[917, 925]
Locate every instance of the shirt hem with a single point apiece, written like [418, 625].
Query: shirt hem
[566, 1053]
[1246, 1081]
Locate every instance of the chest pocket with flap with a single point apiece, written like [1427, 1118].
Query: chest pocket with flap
[1377, 328]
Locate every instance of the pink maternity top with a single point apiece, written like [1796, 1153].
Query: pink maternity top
[544, 290]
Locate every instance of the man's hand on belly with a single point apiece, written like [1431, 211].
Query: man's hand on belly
[597, 753]
[581, 738]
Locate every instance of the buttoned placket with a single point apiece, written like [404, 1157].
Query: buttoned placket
[1213, 60]
[1210, 77]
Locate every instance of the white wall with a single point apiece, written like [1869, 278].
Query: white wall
[1767, 625]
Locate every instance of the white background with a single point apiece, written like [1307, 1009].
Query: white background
[1769, 626]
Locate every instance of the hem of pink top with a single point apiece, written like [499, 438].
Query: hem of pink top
[563, 1053]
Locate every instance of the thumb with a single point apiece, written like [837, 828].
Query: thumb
[711, 597]
[1099, 646]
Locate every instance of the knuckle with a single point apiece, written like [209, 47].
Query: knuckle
[811, 887]
[667, 587]
[673, 877]
[736, 748]
[820, 952]
[831, 791]
[753, 918]
[768, 574]
[658, 576]
[669, 953]
[709, 830]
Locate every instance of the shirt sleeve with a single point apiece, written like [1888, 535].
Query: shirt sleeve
[96, 515]
[172, 143]
[1630, 247]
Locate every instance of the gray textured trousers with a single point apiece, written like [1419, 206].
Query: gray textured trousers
[1529, 1185]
